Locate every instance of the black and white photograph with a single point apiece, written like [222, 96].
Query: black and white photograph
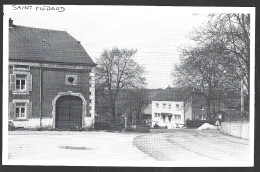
[122, 85]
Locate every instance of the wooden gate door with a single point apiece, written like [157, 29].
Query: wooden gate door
[68, 112]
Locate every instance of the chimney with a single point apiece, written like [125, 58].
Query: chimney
[11, 23]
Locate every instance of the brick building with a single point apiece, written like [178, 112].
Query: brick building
[51, 84]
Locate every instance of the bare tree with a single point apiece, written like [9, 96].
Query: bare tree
[232, 31]
[221, 55]
[116, 70]
[137, 101]
[202, 68]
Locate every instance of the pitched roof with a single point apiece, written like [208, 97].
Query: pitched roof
[126, 94]
[44, 45]
[152, 93]
[173, 94]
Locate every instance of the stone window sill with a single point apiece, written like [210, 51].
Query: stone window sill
[20, 92]
[21, 119]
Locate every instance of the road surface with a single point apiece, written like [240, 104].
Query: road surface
[190, 145]
[73, 145]
[162, 145]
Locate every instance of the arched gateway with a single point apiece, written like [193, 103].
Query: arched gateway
[69, 110]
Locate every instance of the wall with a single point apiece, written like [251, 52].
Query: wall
[188, 109]
[33, 123]
[199, 106]
[33, 95]
[54, 82]
[237, 129]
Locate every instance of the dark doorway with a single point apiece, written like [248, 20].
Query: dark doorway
[68, 112]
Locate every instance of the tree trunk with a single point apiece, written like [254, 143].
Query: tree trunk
[112, 103]
[208, 108]
[113, 109]
[209, 104]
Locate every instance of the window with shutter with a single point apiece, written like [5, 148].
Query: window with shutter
[29, 82]
[20, 83]
[12, 82]
[20, 109]
[29, 110]
[20, 112]
[11, 110]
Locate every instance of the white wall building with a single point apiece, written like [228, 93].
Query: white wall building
[168, 113]
[168, 108]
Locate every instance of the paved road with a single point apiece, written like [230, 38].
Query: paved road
[71, 145]
[206, 145]
[164, 145]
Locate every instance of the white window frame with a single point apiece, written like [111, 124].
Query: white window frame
[16, 101]
[15, 68]
[169, 106]
[177, 106]
[179, 117]
[20, 114]
[164, 105]
[157, 105]
[21, 91]
[20, 83]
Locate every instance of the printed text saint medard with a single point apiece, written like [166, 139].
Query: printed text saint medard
[38, 8]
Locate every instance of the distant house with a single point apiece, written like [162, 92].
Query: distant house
[51, 84]
[173, 106]
[195, 106]
[168, 107]
[147, 113]
[127, 102]
[196, 103]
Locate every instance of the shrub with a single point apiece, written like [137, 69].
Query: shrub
[101, 124]
[142, 128]
[116, 125]
[11, 125]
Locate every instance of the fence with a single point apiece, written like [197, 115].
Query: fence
[102, 123]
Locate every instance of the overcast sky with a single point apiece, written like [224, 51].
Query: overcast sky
[155, 32]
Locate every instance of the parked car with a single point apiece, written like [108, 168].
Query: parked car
[160, 126]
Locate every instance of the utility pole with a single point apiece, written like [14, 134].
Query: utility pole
[242, 96]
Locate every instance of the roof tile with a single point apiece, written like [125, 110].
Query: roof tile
[43, 45]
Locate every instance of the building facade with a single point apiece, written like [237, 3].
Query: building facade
[168, 107]
[50, 83]
[167, 113]
[196, 104]
[173, 106]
